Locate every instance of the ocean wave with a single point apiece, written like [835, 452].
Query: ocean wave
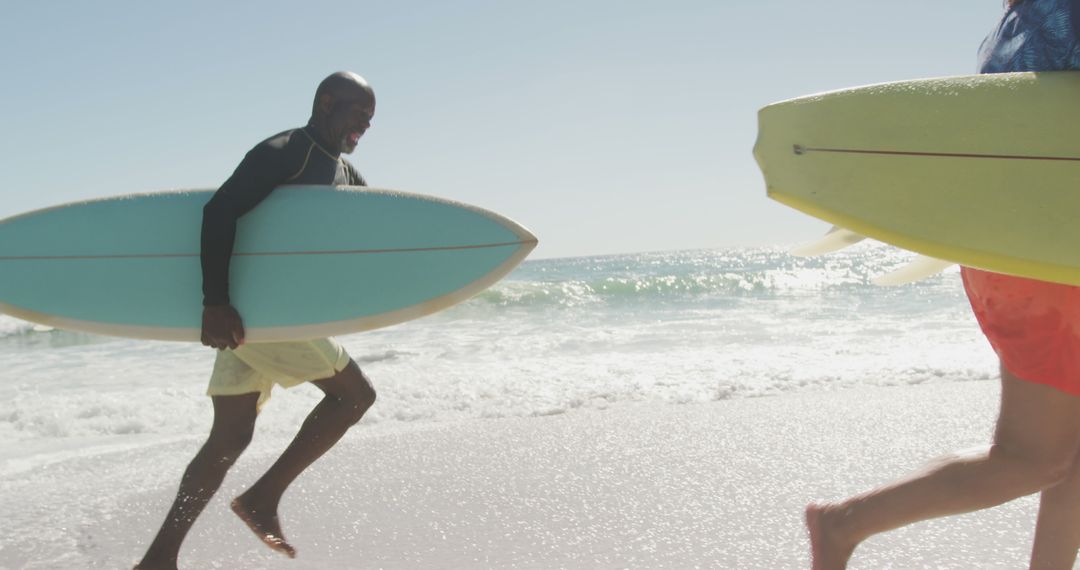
[610, 289]
[10, 326]
[693, 276]
[26, 335]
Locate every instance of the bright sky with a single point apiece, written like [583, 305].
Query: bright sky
[603, 126]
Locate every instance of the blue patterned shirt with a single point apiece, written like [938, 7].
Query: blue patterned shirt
[1034, 35]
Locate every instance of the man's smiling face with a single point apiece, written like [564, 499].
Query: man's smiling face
[349, 122]
[342, 111]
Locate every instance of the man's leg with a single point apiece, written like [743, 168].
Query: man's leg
[348, 395]
[1034, 446]
[234, 422]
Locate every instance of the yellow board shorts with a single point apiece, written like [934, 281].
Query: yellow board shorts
[258, 367]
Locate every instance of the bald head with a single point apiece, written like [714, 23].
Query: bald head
[343, 87]
[342, 112]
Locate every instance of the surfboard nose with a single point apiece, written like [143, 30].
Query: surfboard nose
[763, 144]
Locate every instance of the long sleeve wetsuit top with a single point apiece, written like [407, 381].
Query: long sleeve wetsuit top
[295, 156]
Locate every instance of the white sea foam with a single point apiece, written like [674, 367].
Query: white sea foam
[557, 336]
[10, 326]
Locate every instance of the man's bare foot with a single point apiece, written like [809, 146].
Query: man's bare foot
[828, 550]
[264, 523]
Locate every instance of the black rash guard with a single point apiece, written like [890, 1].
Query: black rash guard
[296, 156]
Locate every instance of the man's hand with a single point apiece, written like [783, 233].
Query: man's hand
[222, 327]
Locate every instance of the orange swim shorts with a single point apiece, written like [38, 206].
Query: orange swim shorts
[1034, 326]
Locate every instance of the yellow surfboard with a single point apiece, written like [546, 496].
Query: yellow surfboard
[980, 170]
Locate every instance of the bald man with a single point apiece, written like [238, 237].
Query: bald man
[245, 374]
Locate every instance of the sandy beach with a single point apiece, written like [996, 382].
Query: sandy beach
[716, 485]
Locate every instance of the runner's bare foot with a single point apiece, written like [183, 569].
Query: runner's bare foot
[264, 524]
[828, 550]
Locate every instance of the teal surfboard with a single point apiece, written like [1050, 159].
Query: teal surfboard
[309, 261]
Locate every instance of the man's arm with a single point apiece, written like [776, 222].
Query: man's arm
[256, 177]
